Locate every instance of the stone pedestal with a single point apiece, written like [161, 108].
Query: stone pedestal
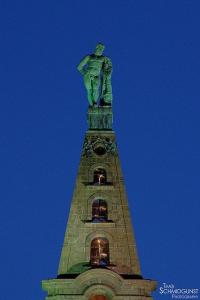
[100, 118]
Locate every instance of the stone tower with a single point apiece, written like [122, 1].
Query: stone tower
[99, 257]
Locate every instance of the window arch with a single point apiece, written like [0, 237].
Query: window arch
[99, 211]
[99, 252]
[99, 176]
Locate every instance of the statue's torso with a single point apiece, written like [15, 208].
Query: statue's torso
[94, 65]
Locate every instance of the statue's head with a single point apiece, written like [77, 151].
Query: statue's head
[99, 49]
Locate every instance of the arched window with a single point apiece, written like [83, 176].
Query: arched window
[99, 211]
[99, 176]
[99, 254]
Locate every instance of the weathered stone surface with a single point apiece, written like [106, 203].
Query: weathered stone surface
[77, 279]
[99, 282]
[80, 233]
[100, 118]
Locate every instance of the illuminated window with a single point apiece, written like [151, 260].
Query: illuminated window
[99, 176]
[98, 297]
[99, 255]
[99, 211]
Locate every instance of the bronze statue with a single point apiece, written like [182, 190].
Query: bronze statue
[96, 70]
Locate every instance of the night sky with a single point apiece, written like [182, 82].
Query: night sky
[155, 49]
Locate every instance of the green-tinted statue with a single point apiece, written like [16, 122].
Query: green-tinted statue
[96, 70]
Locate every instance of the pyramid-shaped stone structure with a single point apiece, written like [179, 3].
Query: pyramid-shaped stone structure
[99, 258]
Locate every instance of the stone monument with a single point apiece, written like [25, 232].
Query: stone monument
[99, 258]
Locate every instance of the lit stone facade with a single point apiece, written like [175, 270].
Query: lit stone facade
[99, 257]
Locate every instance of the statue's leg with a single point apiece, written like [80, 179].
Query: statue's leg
[88, 86]
[90, 97]
[95, 85]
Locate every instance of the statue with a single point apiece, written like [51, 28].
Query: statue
[96, 70]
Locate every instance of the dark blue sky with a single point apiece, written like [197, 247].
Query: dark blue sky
[155, 49]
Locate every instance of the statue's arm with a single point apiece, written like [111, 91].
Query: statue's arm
[82, 64]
